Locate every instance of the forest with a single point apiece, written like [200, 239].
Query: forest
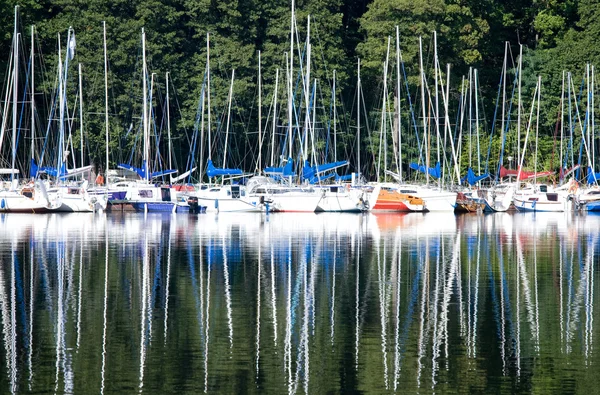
[247, 127]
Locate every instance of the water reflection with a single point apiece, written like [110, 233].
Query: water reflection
[298, 303]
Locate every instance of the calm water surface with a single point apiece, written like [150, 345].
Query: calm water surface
[327, 303]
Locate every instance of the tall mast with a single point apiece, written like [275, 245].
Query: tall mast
[437, 106]
[477, 122]
[519, 103]
[274, 118]
[398, 120]
[32, 98]
[334, 121]
[592, 148]
[61, 102]
[169, 122]
[15, 89]
[383, 130]
[80, 112]
[358, 121]
[537, 124]
[208, 93]
[504, 85]
[424, 109]
[307, 90]
[259, 115]
[105, 98]
[145, 107]
[228, 118]
[290, 84]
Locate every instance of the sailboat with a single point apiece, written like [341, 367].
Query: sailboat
[73, 193]
[538, 197]
[230, 196]
[144, 196]
[32, 197]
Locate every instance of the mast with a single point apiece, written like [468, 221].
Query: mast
[15, 89]
[61, 102]
[274, 118]
[424, 109]
[169, 122]
[106, 98]
[334, 122]
[383, 130]
[145, 107]
[208, 93]
[398, 119]
[228, 118]
[81, 113]
[592, 144]
[519, 103]
[307, 91]
[537, 124]
[437, 106]
[259, 115]
[562, 120]
[32, 98]
[358, 120]
[290, 85]
[477, 122]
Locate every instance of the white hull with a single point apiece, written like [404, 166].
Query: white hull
[301, 202]
[342, 200]
[28, 200]
[228, 198]
[435, 199]
[529, 203]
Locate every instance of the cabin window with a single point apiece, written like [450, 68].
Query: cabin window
[145, 193]
[73, 191]
[165, 194]
[552, 197]
[235, 191]
[333, 189]
[27, 192]
[543, 188]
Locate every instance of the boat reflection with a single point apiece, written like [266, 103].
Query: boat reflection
[292, 303]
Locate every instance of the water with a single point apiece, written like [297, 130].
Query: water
[307, 303]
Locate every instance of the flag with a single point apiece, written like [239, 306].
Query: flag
[72, 46]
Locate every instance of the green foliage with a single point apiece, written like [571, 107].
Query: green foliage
[557, 36]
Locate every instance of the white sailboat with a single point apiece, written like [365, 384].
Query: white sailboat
[15, 198]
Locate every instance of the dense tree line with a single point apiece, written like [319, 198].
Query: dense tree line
[556, 36]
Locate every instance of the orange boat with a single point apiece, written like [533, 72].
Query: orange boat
[392, 200]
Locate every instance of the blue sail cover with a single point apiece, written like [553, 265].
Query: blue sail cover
[212, 171]
[284, 171]
[162, 173]
[592, 177]
[472, 179]
[140, 171]
[433, 171]
[33, 170]
[345, 177]
[52, 171]
[315, 173]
